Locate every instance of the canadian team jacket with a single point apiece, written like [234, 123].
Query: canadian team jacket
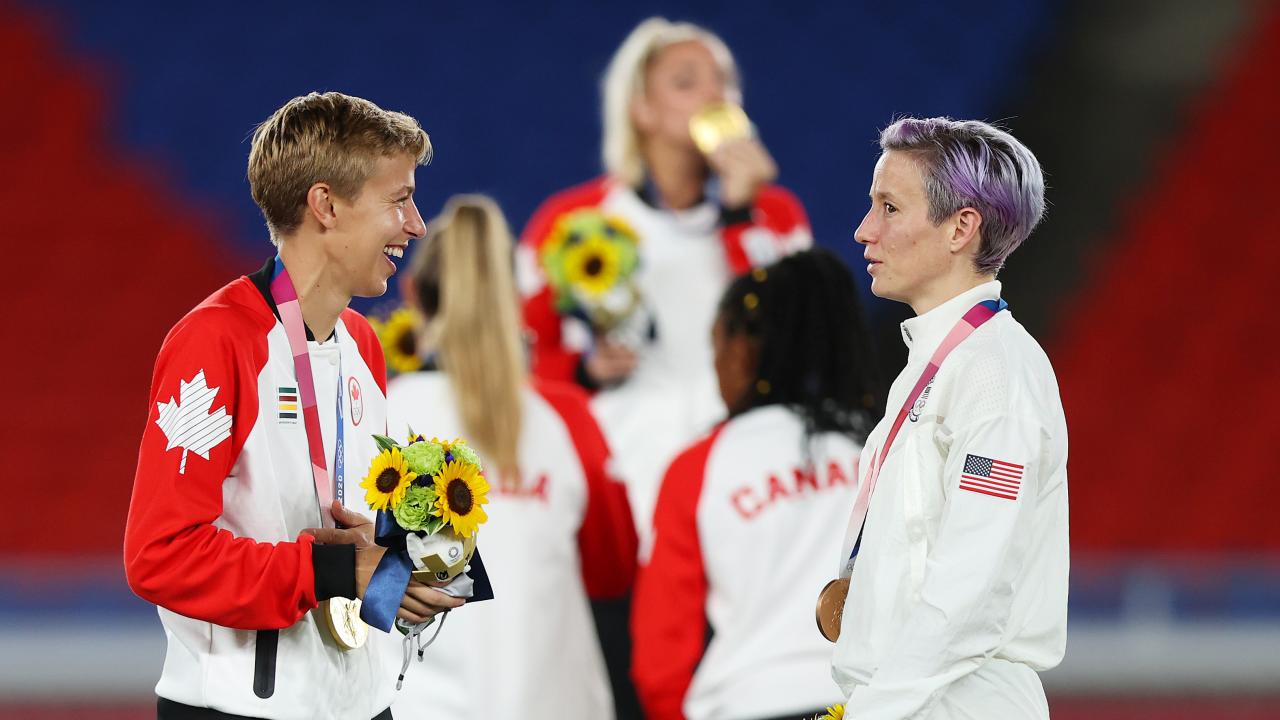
[687, 257]
[559, 535]
[222, 492]
[723, 623]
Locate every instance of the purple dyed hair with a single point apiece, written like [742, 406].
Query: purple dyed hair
[967, 163]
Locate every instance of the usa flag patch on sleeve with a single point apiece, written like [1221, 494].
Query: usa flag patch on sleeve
[996, 478]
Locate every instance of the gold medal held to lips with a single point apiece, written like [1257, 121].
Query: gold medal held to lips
[718, 123]
[831, 608]
[342, 618]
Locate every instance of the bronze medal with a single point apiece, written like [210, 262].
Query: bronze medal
[342, 618]
[831, 608]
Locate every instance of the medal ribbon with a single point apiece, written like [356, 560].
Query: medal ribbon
[286, 298]
[972, 320]
[387, 586]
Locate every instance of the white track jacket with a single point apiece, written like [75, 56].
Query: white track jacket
[959, 593]
[723, 615]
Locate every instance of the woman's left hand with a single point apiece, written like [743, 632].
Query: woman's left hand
[743, 166]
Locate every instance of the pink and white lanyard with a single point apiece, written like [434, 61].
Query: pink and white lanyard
[972, 320]
[286, 298]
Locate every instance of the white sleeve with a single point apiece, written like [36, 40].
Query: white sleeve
[959, 616]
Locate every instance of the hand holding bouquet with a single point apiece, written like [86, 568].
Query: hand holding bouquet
[429, 497]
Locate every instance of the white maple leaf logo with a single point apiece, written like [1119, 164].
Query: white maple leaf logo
[187, 423]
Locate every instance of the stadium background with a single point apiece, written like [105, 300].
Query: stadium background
[123, 140]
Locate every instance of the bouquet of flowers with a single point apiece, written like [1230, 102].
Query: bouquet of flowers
[429, 497]
[590, 260]
[398, 334]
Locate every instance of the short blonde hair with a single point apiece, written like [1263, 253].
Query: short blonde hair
[324, 137]
[624, 81]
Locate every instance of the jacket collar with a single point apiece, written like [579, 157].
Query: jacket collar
[924, 333]
[261, 279]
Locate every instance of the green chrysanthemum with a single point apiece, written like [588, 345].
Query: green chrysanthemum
[415, 511]
[463, 452]
[424, 458]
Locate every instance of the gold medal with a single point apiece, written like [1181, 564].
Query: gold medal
[716, 124]
[831, 608]
[342, 617]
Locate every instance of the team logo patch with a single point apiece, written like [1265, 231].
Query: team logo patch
[996, 478]
[357, 400]
[287, 405]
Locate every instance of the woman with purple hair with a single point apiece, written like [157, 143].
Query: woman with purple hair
[954, 571]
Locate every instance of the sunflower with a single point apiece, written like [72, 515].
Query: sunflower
[620, 231]
[586, 255]
[592, 266]
[835, 712]
[460, 491]
[388, 479]
[399, 340]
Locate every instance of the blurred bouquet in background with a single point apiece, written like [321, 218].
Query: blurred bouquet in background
[398, 334]
[590, 260]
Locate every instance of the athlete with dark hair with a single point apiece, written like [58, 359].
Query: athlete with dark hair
[723, 621]
[798, 326]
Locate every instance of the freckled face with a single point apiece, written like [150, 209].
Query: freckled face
[905, 252]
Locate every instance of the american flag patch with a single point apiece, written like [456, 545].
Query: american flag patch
[287, 404]
[996, 478]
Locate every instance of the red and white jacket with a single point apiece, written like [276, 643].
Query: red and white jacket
[562, 539]
[219, 501]
[687, 257]
[723, 621]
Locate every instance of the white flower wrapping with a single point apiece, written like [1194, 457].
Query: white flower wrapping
[439, 557]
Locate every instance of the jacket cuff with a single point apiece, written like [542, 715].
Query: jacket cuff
[581, 375]
[735, 216]
[335, 571]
